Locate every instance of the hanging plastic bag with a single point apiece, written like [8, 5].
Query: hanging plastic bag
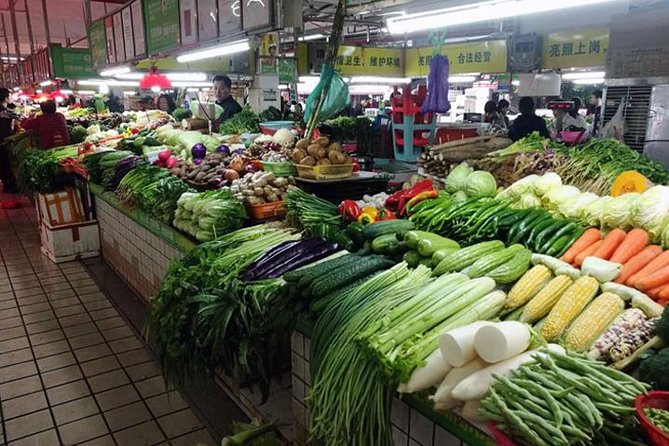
[617, 126]
[437, 86]
[335, 100]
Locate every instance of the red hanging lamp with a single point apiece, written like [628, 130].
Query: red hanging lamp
[153, 80]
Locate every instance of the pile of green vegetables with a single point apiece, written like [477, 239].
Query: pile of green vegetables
[39, 170]
[102, 165]
[533, 142]
[153, 190]
[205, 318]
[245, 121]
[349, 128]
[319, 218]
[209, 215]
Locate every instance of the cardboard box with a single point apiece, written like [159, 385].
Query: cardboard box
[65, 243]
[61, 208]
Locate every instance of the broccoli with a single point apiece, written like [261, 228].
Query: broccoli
[653, 368]
[662, 326]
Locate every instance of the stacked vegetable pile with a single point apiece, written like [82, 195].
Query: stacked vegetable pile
[209, 215]
[101, 166]
[40, 171]
[463, 182]
[245, 121]
[437, 160]
[315, 215]
[212, 171]
[261, 188]
[319, 152]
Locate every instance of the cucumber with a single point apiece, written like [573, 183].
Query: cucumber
[387, 244]
[544, 235]
[412, 258]
[538, 229]
[347, 274]
[428, 246]
[513, 269]
[493, 260]
[440, 254]
[412, 238]
[567, 229]
[310, 274]
[462, 258]
[526, 229]
[559, 246]
[373, 230]
[521, 224]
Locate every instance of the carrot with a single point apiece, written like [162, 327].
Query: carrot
[655, 264]
[636, 263]
[659, 277]
[634, 242]
[654, 293]
[664, 293]
[589, 237]
[587, 252]
[611, 242]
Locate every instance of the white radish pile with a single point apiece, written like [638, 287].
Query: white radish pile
[504, 340]
[431, 374]
[458, 345]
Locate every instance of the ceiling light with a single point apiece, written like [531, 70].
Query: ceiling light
[461, 79]
[379, 80]
[479, 12]
[115, 71]
[185, 84]
[186, 76]
[135, 75]
[66, 91]
[311, 37]
[45, 83]
[589, 81]
[515, 83]
[369, 89]
[583, 75]
[192, 90]
[86, 92]
[104, 89]
[222, 50]
[128, 93]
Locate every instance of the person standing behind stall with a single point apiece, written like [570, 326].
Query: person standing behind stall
[503, 110]
[7, 118]
[596, 110]
[492, 116]
[221, 89]
[573, 121]
[166, 103]
[527, 122]
[50, 126]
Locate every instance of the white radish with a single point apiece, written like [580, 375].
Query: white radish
[500, 341]
[476, 385]
[457, 346]
[431, 374]
[438, 405]
[443, 394]
[470, 411]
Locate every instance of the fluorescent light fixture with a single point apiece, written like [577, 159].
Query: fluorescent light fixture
[128, 93]
[86, 92]
[186, 84]
[45, 83]
[115, 71]
[10, 58]
[311, 37]
[196, 76]
[515, 83]
[155, 89]
[583, 75]
[135, 75]
[479, 12]
[589, 81]
[379, 80]
[461, 79]
[192, 90]
[110, 82]
[216, 51]
[369, 89]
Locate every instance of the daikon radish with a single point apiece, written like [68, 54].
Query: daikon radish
[470, 411]
[476, 385]
[444, 406]
[443, 394]
[457, 346]
[431, 374]
[500, 341]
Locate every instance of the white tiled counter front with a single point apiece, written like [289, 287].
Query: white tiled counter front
[411, 427]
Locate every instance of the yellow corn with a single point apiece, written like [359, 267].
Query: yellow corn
[570, 304]
[528, 285]
[541, 304]
[593, 321]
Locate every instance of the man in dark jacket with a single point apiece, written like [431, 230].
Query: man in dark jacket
[527, 122]
[222, 86]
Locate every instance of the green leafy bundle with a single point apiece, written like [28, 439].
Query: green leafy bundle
[39, 171]
[245, 121]
[209, 215]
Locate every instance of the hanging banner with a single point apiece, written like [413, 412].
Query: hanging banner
[356, 60]
[98, 43]
[229, 17]
[109, 34]
[269, 44]
[575, 49]
[287, 68]
[138, 28]
[128, 43]
[207, 20]
[71, 63]
[475, 57]
[161, 18]
[118, 38]
[188, 19]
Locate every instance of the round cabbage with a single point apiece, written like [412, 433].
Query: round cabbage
[558, 195]
[594, 213]
[651, 209]
[575, 207]
[455, 181]
[460, 196]
[546, 182]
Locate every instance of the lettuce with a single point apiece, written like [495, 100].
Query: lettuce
[518, 188]
[455, 181]
[480, 183]
[618, 212]
[546, 182]
[594, 212]
[558, 195]
[529, 200]
[651, 209]
[575, 206]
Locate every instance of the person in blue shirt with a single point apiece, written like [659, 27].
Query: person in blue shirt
[527, 122]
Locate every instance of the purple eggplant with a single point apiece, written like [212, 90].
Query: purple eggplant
[239, 152]
[301, 259]
[301, 248]
[267, 256]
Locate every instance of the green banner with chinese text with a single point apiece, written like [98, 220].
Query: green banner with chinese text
[71, 63]
[161, 19]
[97, 41]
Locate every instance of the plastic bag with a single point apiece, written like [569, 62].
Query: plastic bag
[437, 86]
[617, 126]
[337, 97]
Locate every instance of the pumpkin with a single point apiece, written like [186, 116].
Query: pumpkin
[630, 181]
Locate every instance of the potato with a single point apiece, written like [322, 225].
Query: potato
[302, 144]
[323, 162]
[321, 153]
[299, 155]
[334, 155]
[312, 150]
[322, 141]
[334, 146]
[308, 161]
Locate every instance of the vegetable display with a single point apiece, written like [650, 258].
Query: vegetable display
[261, 187]
[319, 152]
[209, 215]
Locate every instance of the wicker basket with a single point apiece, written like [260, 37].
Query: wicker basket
[286, 169]
[658, 400]
[267, 211]
[325, 172]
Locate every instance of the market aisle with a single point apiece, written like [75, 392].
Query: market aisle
[71, 369]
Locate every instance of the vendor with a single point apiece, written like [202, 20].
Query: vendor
[166, 103]
[221, 87]
[573, 121]
[50, 126]
[527, 122]
[503, 110]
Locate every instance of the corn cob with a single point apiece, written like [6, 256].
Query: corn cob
[528, 285]
[627, 321]
[631, 340]
[571, 303]
[593, 321]
[543, 302]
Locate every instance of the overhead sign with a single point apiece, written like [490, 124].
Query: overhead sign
[138, 28]
[229, 17]
[118, 38]
[71, 63]
[578, 48]
[257, 14]
[356, 61]
[161, 18]
[188, 19]
[98, 44]
[476, 57]
[207, 20]
[128, 38]
[109, 38]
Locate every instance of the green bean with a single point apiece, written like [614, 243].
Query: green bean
[583, 408]
[523, 428]
[520, 403]
[549, 399]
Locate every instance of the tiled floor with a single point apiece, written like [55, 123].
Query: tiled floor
[72, 371]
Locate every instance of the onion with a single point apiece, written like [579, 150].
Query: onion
[198, 151]
[230, 175]
[223, 149]
[197, 161]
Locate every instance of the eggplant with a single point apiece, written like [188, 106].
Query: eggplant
[267, 256]
[317, 253]
[297, 249]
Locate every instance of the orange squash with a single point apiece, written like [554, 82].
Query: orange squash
[630, 181]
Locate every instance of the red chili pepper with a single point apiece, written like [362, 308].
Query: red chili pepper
[397, 201]
[349, 210]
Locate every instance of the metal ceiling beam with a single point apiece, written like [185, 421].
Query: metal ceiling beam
[46, 24]
[17, 45]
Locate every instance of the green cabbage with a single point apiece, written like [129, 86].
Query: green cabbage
[618, 212]
[665, 233]
[481, 183]
[651, 209]
[460, 196]
[529, 200]
[558, 195]
[546, 182]
[575, 206]
[594, 212]
[518, 188]
[455, 181]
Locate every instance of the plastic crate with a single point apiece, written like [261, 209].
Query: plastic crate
[267, 211]
[325, 172]
[654, 399]
[286, 169]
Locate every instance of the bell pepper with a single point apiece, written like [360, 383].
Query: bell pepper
[425, 195]
[368, 215]
[385, 214]
[349, 210]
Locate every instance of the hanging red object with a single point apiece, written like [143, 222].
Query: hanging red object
[154, 80]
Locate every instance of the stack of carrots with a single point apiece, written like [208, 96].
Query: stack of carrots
[645, 267]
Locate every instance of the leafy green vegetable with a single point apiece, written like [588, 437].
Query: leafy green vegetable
[209, 215]
[181, 113]
[455, 181]
[480, 183]
[246, 121]
[78, 134]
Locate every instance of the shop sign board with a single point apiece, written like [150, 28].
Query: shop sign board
[128, 42]
[118, 38]
[229, 17]
[207, 20]
[575, 49]
[188, 19]
[287, 67]
[109, 33]
[257, 14]
[98, 44]
[488, 56]
[71, 63]
[138, 28]
[161, 19]
[356, 60]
